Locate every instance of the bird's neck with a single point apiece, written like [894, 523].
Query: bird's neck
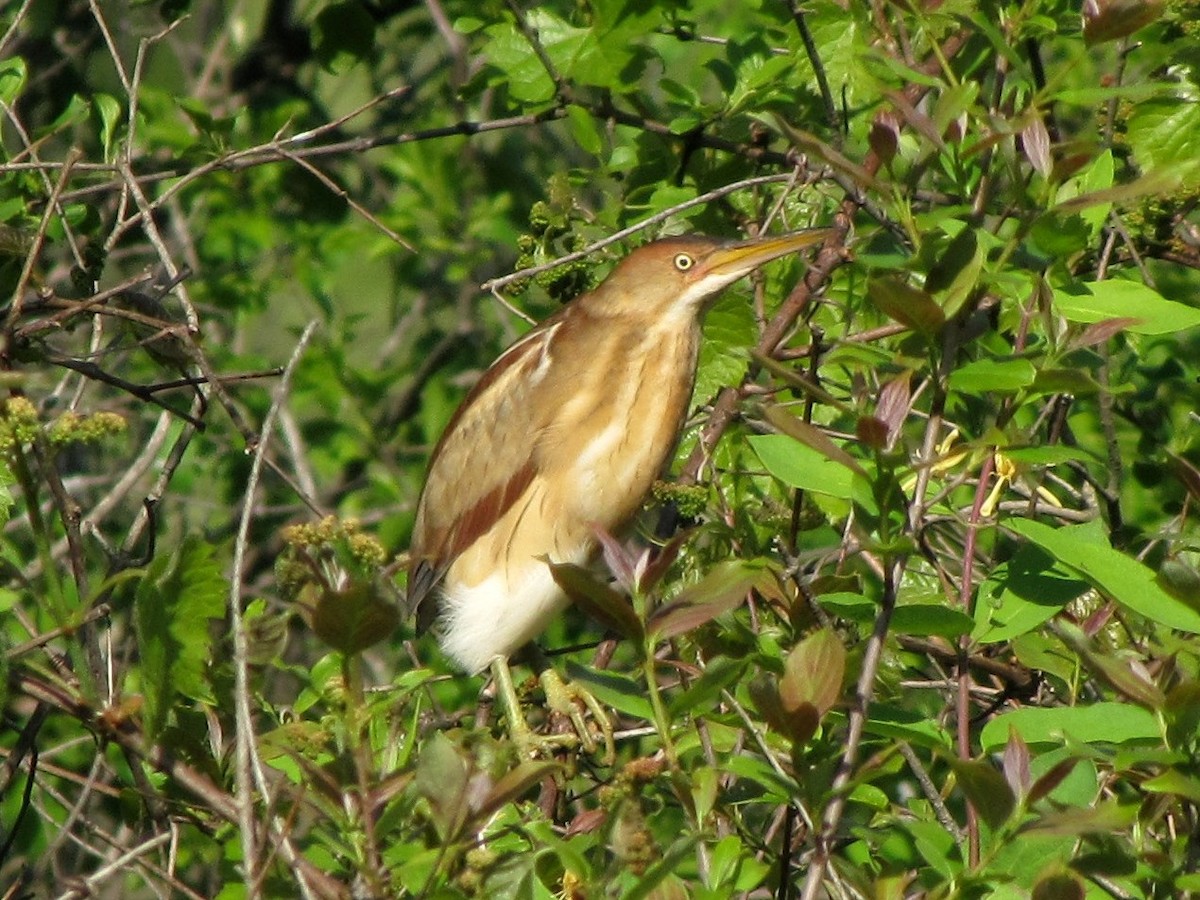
[638, 362]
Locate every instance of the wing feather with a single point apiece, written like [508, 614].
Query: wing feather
[478, 471]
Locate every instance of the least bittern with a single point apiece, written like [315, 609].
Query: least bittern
[564, 433]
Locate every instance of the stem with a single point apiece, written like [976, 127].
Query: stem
[357, 724]
[656, 704]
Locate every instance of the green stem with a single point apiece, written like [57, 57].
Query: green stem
[358, 734]
[656, 704]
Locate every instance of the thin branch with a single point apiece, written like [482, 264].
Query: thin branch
[87, 885]
[338, 191]
[14, 25]
[249, 771]
[814, 59]
[496, 284]
[863, 692]
[39, 237]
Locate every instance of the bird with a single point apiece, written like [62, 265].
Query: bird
[565, 433]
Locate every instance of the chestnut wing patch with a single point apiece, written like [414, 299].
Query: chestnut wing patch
[492, 436]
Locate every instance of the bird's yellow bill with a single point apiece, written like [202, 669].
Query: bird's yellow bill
[745, 256]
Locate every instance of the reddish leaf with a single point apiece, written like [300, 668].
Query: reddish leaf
[1059, 886]
[1072, 821]
[1099, 332]
[1127, 676]
[1108, 20]
[813, 673]
[895, 398]
[597, 599]
[657, 567]
[1052, 779]
[1016, 763]
[586, 822]
[798, 724]
[884, 137]
[871, 432]
[799, 384]
[722, 589]
[622, 562]
[916, 119]
[513, 784]
[1035, 141]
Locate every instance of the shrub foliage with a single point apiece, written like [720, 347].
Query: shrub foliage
[916, 611]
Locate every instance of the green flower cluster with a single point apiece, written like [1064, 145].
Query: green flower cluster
[552, 235]
[690, 500]
[18, 422]
[332, 532]
[72, 428]
[19, 425]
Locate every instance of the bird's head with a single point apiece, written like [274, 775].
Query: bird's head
[678, 276]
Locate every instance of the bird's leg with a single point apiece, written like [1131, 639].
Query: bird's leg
[528, 742]
[566, 698]
[561, 697]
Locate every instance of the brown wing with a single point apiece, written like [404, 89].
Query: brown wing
[483, 463]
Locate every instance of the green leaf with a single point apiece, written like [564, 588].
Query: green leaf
[12, 78]
[1084, 190]
[909, 725]
[1020, 594]
[175, 601]
[1050, 455]
[985, 787]
[702, 694]
[525, 78]
[621, 692]
[1172, 781]
[1005, 376]
[935, 844]
[343, 35]
[931, 619]
[908, 305]
[1099, 723]
[957, 271]
[1121, 577]
[811, 437]
[585, 130]
[801, 466]
[442, 781]
[728, 330]
[1116, 299]
[7, 480]
[110, 118]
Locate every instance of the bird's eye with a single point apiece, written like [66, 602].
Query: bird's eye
[683, 262]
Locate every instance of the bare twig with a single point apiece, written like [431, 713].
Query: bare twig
[249, 769]
[496, 284]
[39, 236]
